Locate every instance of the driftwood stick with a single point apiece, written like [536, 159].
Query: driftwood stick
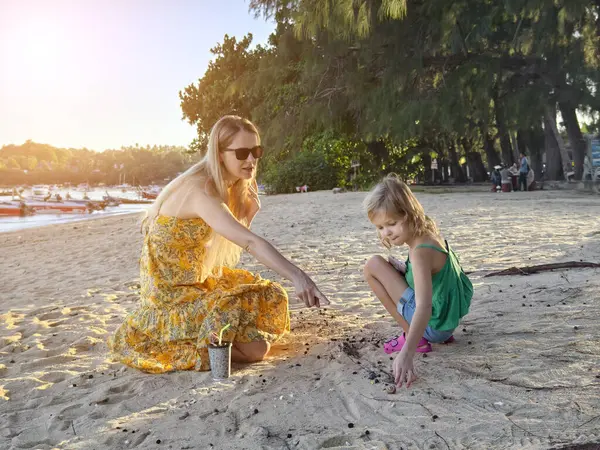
[528, 270]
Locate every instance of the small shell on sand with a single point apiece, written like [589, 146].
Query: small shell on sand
[391, 389]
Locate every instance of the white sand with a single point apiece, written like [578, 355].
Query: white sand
[516, 377]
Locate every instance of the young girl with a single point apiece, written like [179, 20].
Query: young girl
[430, 293]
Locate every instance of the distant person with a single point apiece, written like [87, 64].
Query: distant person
[194, 235]
[523, 171]
[507, 177]
[496, 178]
[427, 295]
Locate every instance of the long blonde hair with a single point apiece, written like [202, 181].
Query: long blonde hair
[393, 197]
[221, 252]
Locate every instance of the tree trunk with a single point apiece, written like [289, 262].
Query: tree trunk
[516, 145]
[554, 170]
[474, 161]
[493, 159]
[444, 168]
[507, 151]
[457, 172]
[534, 141]
[521, 141]
[476, 167]
[551, 124]
[576, 139]
[380, 152]
[427, 175]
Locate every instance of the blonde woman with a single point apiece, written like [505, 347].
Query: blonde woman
[427, 295]
[194, 234]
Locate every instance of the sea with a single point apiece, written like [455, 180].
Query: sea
[11, 223]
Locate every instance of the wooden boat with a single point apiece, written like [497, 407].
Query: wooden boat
[56, 207]
[40, 190]
[14, 208]
[150, 193]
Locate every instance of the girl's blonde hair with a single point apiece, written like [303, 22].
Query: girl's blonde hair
[221, 252]
[393, 197]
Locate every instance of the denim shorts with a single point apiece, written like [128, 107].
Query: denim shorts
[406, 307]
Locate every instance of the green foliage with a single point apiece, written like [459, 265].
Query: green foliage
[416, 76]
[323, 163]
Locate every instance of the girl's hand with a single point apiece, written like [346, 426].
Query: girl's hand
[403, 369]
[400, 266]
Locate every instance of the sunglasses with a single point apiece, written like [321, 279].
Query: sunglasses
[242, 153]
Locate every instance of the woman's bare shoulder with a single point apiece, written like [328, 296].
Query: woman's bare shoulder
[183, 203]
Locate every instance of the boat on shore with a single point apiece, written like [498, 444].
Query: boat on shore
[57, 207]
[15, 208]
[149, 193]
[40, 190]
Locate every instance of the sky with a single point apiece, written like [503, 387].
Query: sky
[102, 74]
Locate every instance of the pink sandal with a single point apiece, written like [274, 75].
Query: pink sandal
[396, 344]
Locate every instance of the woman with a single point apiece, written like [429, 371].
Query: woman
[194, 234]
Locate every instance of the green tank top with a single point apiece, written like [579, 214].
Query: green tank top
[451, 291]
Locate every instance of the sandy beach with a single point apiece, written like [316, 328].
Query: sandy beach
[523, 373]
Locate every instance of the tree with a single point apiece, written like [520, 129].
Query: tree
[13, 164]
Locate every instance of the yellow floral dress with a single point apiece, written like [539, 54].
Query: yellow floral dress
[178, 313]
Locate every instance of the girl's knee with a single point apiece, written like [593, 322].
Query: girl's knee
[372, 265]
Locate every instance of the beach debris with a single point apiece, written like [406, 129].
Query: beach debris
[528, 270]
[350, 425]
[350, 349]
[391, 389]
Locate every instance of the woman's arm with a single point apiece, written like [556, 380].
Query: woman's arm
[218, 216]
